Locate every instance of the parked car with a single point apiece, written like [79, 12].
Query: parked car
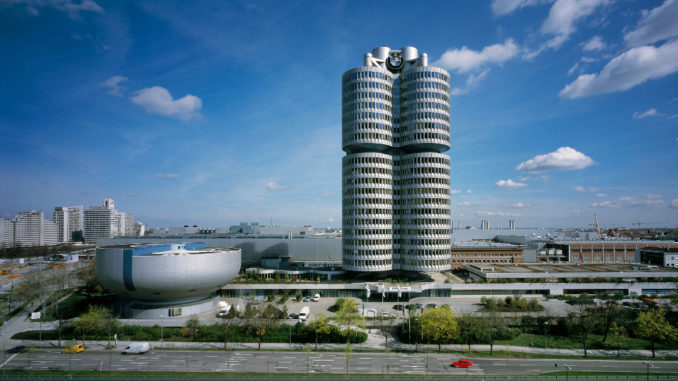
[463, 363]
[307, 298]
[304, 313]
[136, 349]
[431, 305]
[18, 349]
[316, 298]
[398, 307]
[75, 348]
[293, 316]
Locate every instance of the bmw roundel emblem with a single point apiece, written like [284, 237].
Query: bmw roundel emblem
[395, 61]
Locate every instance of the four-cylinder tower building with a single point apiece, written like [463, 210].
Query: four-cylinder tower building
[396, 179]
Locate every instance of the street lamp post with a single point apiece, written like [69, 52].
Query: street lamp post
[162, 329]
[647, 373]
[546, 323]
[567, 371]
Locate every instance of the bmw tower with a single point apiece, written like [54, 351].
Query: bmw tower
[395, 177]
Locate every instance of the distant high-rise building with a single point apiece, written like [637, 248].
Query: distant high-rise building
[32, 229]
[396, 179]
[512, 224]
[68, 220]
[6, 233]
[106, 222]
[139, 229]
[484, 225]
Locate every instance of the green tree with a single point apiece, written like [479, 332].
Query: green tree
[384, 328]
[470, 329]
[98, 319]
[250, 311]
[320, 326]
[608, 312]
[493, 325]
[348, 317]
[618, 333]
[77, 236]
[584, 321]
[190, 328]
[439, 324]
[652, 325]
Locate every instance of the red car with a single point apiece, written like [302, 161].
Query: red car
[463, 363]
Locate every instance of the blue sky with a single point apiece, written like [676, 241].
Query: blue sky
[213, 113]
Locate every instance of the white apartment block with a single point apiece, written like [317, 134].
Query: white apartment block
[68, 220]
[32, 229]
[106, 222]
[6, 233]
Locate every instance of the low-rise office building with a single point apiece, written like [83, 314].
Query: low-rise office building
[617, 251]
[485, 253]
[660, 257]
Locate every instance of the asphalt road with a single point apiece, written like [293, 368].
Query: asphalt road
[317, 362]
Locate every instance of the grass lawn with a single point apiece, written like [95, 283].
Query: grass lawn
[594, 342]
[76, 304]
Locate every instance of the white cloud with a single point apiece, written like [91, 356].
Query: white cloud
[170, 176]
[563, 16]
[504, 7]
[484, 213]
[521, 205]
[465, 203]
[471, 191]
[650, 112]
[573, 68]
[72, 7]
[604, 204]
[601, 195]
[113, 85]
[330, 219]
[655, 25]
[273, 185]
[674, 203]
[563, 159]
[510, 184]
[472, 81]
[595, 43]
[158, 100]
[627, 70]
[328, 194]
[582, 189]
[465, 59]
[652, 200]
[455, 191]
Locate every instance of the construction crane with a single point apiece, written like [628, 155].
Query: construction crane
[595, 216]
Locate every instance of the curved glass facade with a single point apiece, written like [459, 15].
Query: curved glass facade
[396, 181]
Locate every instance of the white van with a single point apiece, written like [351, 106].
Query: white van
[305, 312]
[316, 298]
[136, 349]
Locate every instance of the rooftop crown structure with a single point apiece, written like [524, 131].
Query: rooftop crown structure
[396, 179]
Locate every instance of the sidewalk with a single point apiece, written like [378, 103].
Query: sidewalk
[373, 343]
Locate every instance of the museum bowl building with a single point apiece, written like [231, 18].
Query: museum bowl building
[166, 280]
